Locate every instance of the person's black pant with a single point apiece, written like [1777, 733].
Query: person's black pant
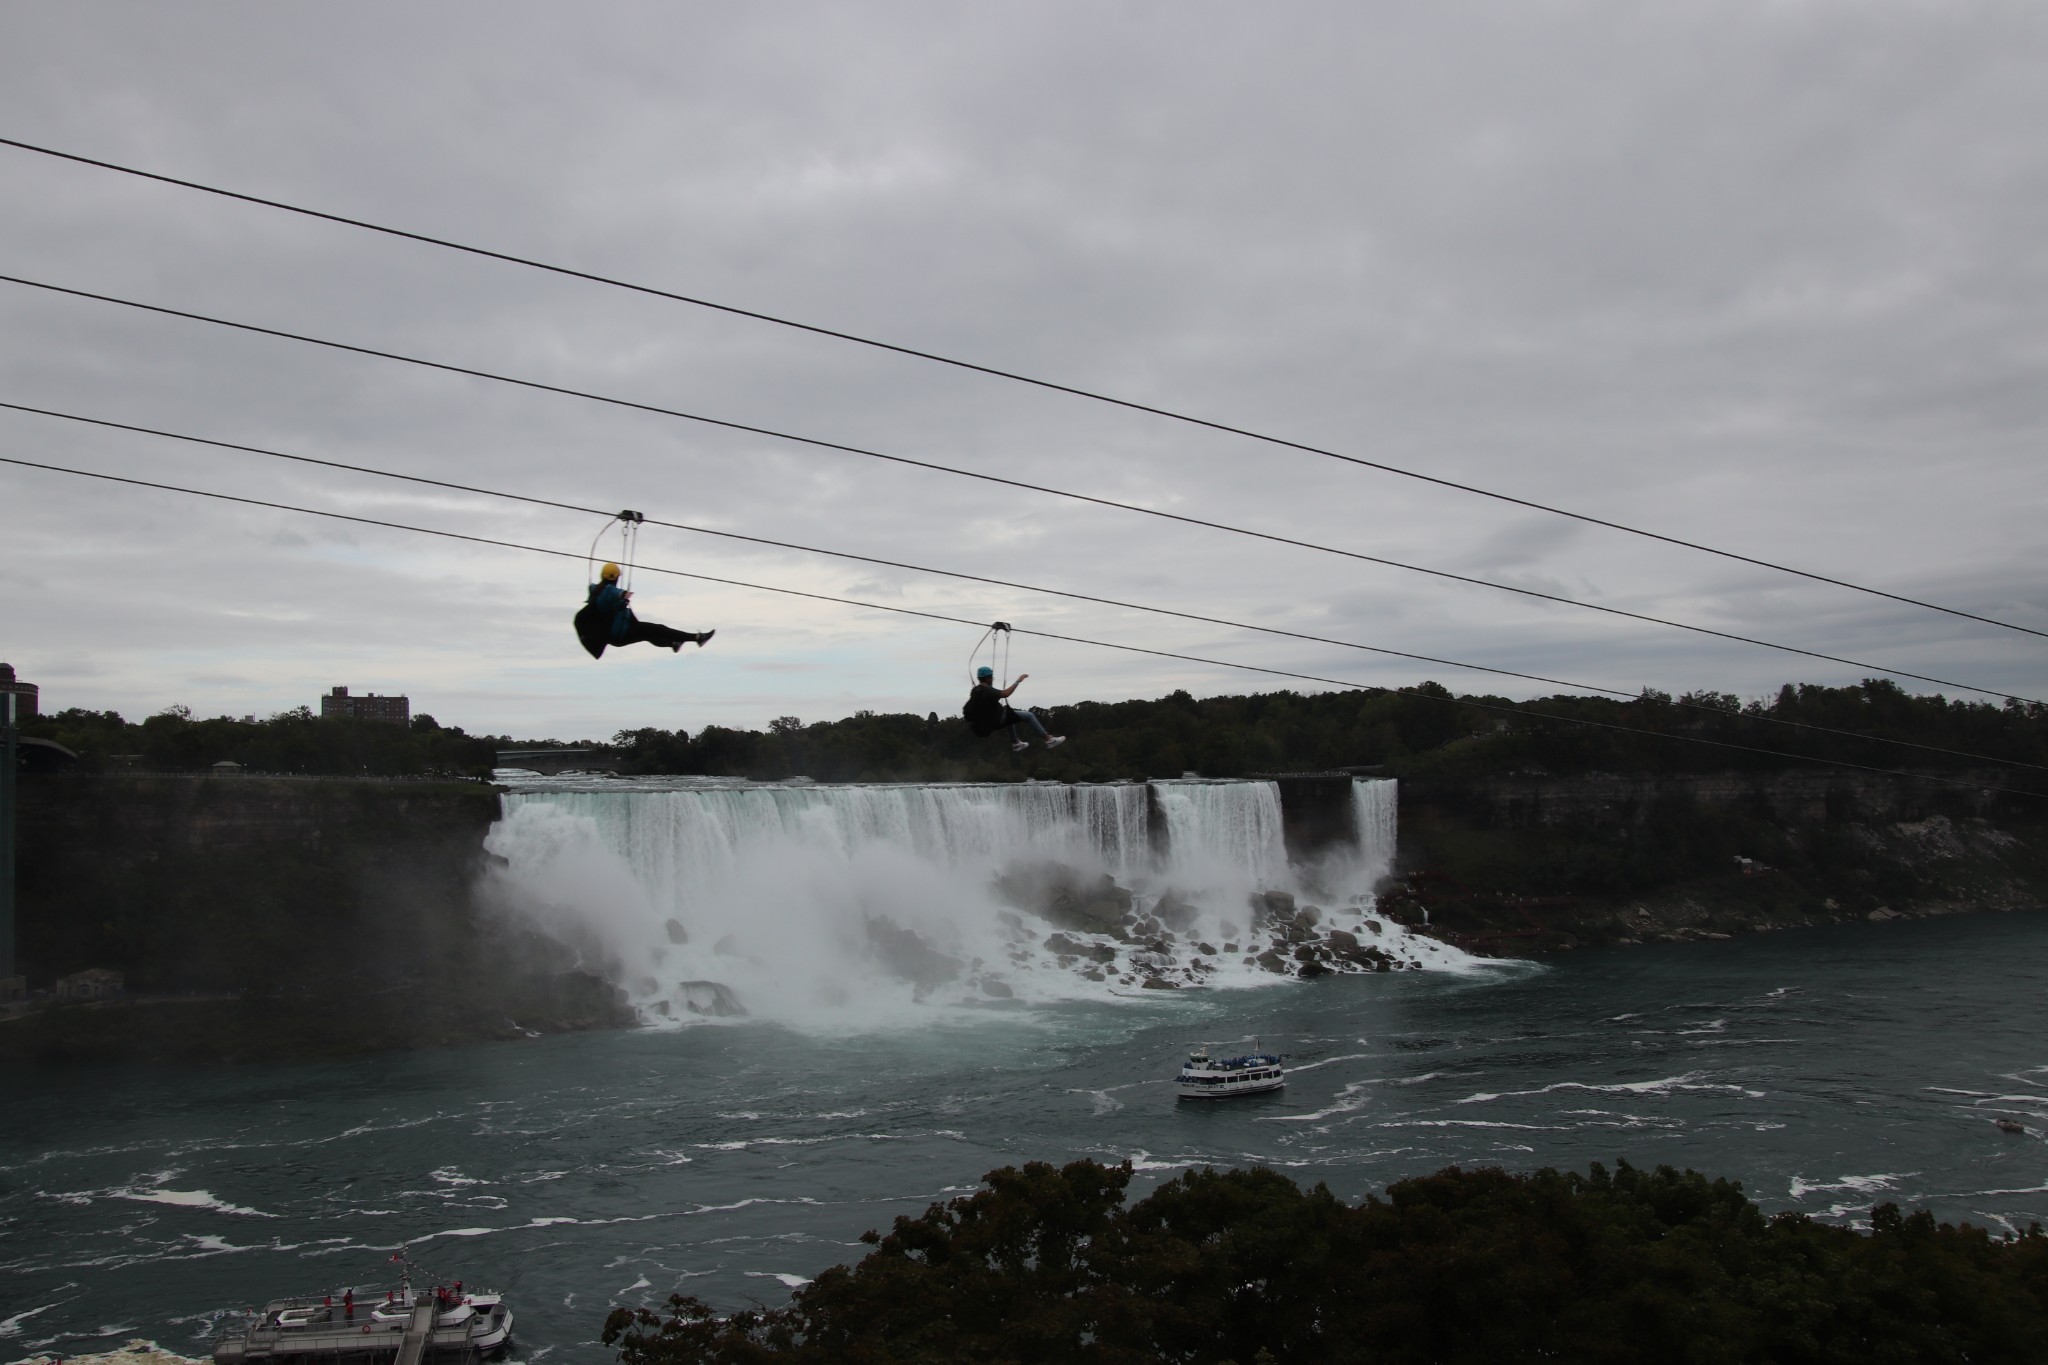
[646, 632]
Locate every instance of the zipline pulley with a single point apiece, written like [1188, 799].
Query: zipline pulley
[988, 637]
[628, 524]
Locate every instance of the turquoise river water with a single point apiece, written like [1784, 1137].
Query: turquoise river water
[1826, 1069]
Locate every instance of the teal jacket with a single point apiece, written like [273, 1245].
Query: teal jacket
[609, 601]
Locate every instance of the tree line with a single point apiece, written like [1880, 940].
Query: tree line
[295, 741]
[1424, 730]
[1475, 1267]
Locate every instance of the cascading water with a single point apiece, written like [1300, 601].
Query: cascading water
[858, 903]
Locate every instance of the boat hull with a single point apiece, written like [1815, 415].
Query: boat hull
[1229, 1092]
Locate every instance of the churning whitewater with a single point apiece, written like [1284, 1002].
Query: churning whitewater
[858, 905]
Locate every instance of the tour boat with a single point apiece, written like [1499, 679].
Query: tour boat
[1203, 1077]
[401, 1326]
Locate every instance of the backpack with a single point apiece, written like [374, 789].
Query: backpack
[983, 712]
[594, 629]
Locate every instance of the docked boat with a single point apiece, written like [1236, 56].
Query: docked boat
[401, 1326]
[1203, 1077]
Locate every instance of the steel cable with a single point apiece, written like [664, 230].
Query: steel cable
[1010, 375]
[819, 443]
[1049, 635]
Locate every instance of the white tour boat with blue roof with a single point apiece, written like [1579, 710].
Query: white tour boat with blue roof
[1203, 1077]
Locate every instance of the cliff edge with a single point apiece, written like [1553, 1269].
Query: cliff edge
[259, 917]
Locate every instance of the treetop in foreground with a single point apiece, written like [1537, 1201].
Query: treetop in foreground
[1049, 1264]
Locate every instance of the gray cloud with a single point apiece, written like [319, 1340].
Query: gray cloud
[1763, 275]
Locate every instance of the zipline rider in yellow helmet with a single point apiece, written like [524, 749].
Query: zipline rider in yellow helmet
[607, 619]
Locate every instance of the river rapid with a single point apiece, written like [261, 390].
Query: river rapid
[1827, 1069]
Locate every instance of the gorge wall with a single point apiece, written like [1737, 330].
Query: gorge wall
[259, 916]
[1528, 862]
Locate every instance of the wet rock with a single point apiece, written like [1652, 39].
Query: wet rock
[1271, 905]
[713, 999]
[997, 989]
[1308, 952]
[1094, 973]
[1066, 896]
[1312, 969]
[676, 933]
[1207, 950]
[1341, 939]
[1159, 983]
[1230, 947]
[1103, 915]
[1072, 947]
[1882, 913]
[1271, 961]
[1309, 915]
[1174, 909]
[906, 955]
[1373, 926]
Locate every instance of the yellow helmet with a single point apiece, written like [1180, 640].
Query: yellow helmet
[608, 574]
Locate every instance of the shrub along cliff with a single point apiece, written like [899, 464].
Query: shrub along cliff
[1459, 1268]
[258, 916]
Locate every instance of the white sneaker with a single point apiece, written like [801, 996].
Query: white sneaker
[1019, 747]
[1054, 741]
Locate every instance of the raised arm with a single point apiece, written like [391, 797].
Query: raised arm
[1014, 686]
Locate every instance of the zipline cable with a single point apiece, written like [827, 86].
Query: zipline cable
[1004, 626]
[1001, 583]
[996, 373]
[813, 441]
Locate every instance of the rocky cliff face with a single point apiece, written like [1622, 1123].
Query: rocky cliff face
[339, 912]
[1530, 862]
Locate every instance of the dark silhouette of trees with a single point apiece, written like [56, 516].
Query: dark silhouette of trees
[294, 741]
[1458, 1268]
[1422, 731]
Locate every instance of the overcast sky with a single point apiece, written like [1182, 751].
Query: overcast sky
[1770, 276]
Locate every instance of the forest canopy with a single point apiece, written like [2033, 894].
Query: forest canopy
[1419, 731]
[1477, 1267]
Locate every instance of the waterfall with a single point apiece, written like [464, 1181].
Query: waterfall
[855, 904]
[1375, 815]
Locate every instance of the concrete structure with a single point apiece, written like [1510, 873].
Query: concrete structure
[94, 983]
[12, 703]
[25, 693]
[339, 704]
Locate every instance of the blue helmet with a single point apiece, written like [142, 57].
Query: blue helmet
[984, 672]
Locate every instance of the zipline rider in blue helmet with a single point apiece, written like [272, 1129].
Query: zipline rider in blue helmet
[607, 619]
[986, 711]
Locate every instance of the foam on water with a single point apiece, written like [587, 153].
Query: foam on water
[864, 906]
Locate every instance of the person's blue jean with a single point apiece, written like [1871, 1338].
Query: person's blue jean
[1017, 714]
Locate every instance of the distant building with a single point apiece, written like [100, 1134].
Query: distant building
[95, 983]
[24, 693]
[339, 704]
